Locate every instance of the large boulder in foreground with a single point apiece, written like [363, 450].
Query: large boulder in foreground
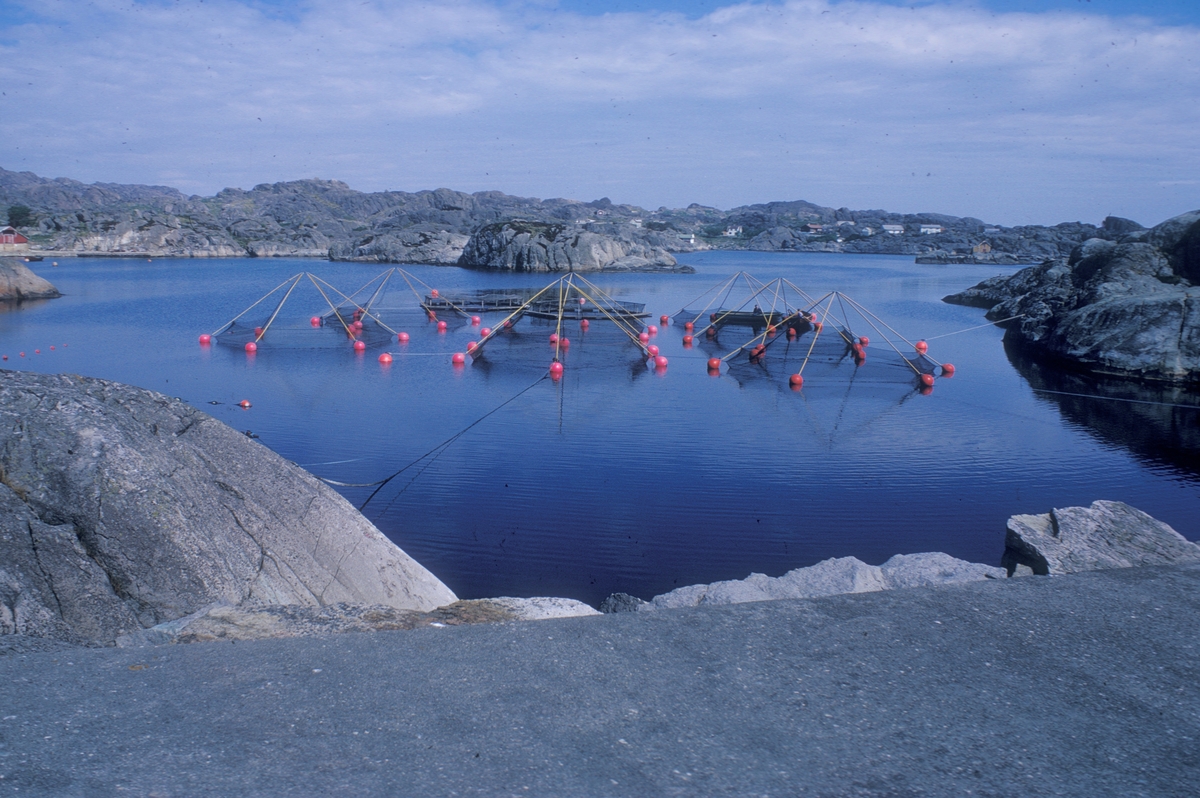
[121, 509]
[552, 247]
[829, 578]
[1105, 535]
[18, 282]
[1129, 306]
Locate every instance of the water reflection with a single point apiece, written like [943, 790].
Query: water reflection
[1159, 423]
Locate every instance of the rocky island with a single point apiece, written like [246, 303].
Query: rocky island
[18, 282]
[328, 219]
[1126, 303]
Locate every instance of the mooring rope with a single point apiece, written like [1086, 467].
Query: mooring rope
[977, 327]
[1116, 399]
[436, 451]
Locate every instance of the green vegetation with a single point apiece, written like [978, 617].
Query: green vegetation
[20, 215]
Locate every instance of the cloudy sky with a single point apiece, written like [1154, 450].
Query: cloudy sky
[1013, 111]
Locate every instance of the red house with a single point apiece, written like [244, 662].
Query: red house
[12, 241]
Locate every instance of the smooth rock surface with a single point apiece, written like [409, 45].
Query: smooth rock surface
[550, 247]
[1127, 307]
[18, 282]
[121, 509]
[540, 608]
[1082, 686]
[831, 577]
[1105, 535]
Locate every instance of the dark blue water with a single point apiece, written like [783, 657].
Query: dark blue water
[618, 477]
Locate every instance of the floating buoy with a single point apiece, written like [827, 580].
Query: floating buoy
[22, 354]
[652, 330]
[927, 380]
[770, 329]
[432, 315]
[359, 346]
[251, 347]
[660, 362]
[205, 339]
[714, 363]
[553, 338]
[258, 332]
[244, 404]
[5, 357]
[402, 337]
[556, 370]
[582, 301]
[563, 343]
[433, 292]
[470, 345]
[689, 326]
[687, 340]
[921, 347]
[864, 340]
[791, 333]
[441, 326]
[947, 370]
[385, 358]
[644, 337]
[508, 325]
[796, 380]
[458, 358]
[712, 332]
[652, 349]
[484, 332]
[818, 326]
[583, 325]
[315, 321]
[664, 320]
[712, 316]
[51, 347]
[475, 320]
[358, 325]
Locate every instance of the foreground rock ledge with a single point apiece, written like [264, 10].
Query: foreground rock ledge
[18, 282]
[122, 509]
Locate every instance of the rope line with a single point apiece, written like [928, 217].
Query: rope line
[977, 327]
[1116, 399]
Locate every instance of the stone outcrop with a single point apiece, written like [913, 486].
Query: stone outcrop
[547, 247]
[122, 509]
[417, 244]
[1128, 307]
[1105, 535]
[831, 577]
[18, 282]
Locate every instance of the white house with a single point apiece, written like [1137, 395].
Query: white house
[931, 229]
[732, 232]
[894, 229]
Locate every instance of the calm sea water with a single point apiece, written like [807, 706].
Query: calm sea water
[619, 477]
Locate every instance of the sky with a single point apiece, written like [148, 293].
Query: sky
[1012, 111]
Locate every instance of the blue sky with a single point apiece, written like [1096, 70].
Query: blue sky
[1014, 111]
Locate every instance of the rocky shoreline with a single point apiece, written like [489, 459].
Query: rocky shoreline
[130, 518]
[328, 219]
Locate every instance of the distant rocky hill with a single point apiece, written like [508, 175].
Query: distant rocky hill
[326, 218]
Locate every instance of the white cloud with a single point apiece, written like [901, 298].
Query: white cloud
[1010, 117]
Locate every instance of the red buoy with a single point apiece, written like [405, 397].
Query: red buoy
[818, 326]
[315, 321]
[22, 354]
[712, 316]
[244, 404]
[475, 320]
[484, 332]
[5, 357]
[458, 358]
[947, 370]
[556, 370]
[402, 337]
[359, 346]
[652, 330]
[927, 380]
[441, 326]
[712, 332]
[582, 301]
[553, 338]
[508, 325]
[470, 345]
[357, 325]
[251, 347]
[205, 339]
[51, 347]
[921, 347]
[257, 332]
[652, 350]
[432, 315]
[864, 340]
[385, 358]
[433, 293]
[37, 351]
[714, 363]
[664, 319]
[791, 333]
[796, 380]
[689, 326]
[583, 325]
[564, 342]
[660, 362]
[644, 337]
[687, 340]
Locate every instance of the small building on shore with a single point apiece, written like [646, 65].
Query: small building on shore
[12, 241]
[894, 229]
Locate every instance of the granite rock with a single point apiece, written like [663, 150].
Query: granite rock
[121, 509]
[18, 282]
[551, 247]
[1105, 535]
